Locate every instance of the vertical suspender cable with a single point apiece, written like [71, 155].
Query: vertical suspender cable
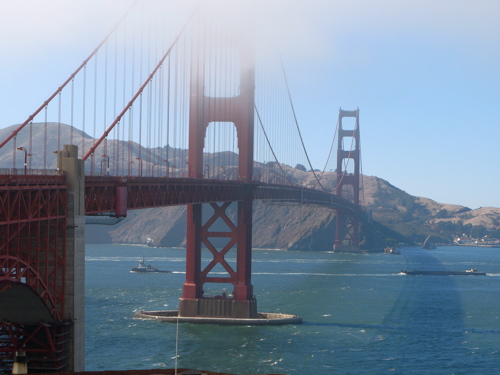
[58, 127]
[95, 105]
[153, 107]
[31, 142]
[212, 53]
[140, 135]
[185, 105]
[237, 67]
[175, 111]
[45, 141]
[14, 154]
[139, 91]
[158, 136]
[159, 119]
[125, 154]
[149, 117]
[118, 167]
[131, 135]
[92, 165]
[20, 127]
[167, 155]
[72, 110]
[105, 101]
[83, 105]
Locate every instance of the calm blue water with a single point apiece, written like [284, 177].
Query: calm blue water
[360, 316]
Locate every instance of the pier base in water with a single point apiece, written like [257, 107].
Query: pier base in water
[347, 249]
[262, 319]
[218, 307]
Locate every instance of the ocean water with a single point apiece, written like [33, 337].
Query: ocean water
[360, 315]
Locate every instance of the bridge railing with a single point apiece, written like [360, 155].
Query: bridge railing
[18, 177]
[29, 172]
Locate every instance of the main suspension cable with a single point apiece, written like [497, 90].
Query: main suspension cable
[270, 146]
[143, 86]
[297, 126]
[330, 152]
[70, 79]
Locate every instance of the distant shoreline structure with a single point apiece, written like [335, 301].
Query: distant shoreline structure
[492, 245]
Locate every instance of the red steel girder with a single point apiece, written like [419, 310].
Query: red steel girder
[32, 235]
[147, 192]
[219, 255]
[46, 345]
[33, 224]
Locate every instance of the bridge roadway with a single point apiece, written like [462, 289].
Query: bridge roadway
[115, 195]
[110, 195]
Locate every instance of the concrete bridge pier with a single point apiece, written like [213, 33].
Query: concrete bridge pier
[74, 306]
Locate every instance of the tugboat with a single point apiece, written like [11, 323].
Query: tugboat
[392, 250]
[146, 268]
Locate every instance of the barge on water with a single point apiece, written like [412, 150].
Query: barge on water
[471, 272]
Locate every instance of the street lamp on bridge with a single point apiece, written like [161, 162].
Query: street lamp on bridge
[140, 166]
[168, 168]
[208, 171]
[25, 157]
[105, 158]
[130, 167]
[223, 172]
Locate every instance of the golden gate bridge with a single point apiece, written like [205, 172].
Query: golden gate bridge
[185, 112]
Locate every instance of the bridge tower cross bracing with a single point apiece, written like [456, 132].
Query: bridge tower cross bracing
[348, 176]
[236, 110]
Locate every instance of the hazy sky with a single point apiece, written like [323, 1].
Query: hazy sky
[425, 75]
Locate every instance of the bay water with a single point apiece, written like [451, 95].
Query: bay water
[361, 316]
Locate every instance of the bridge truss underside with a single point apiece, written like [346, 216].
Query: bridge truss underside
[33, 229]
[114, 196]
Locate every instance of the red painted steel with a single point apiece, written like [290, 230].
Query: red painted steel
[104, 194]
[33, 213]
[347, 225]
[46, 346]
[238, 110]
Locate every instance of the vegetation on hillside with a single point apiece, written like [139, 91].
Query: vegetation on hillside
[398, 216]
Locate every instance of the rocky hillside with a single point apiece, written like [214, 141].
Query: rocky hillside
[292, 226]
[282, 226]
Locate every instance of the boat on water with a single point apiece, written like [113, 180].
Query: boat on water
[146, 268]
[392, 250]
[471, 272]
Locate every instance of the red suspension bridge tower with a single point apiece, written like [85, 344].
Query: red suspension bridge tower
[233, 107]
[348, 175]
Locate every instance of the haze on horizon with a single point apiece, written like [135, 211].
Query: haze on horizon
[424, 75]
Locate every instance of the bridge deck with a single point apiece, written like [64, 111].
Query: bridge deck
[116, 195]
